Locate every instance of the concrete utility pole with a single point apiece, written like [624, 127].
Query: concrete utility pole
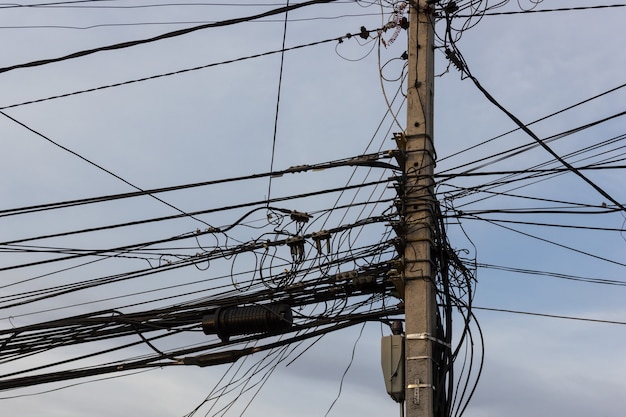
[420, 203]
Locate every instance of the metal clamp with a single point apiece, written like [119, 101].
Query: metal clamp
[426, 336]
[416, 387]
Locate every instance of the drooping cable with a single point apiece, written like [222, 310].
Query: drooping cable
[277, 112]
[167, 35]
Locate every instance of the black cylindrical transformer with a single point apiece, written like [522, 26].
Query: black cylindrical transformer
[229, 321]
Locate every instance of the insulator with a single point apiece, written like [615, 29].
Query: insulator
[454, 59]
[451, 7]
[399, 244]
[229, 321]
[296, 245]
[364, 33]
[399, 227]
[346, 276]
[363, 280]
[404, 23]
[400, 139]
[299, 217]
[398, 185]
[318, 237]
[396, 278]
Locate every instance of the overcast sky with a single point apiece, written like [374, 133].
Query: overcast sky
[218, 119]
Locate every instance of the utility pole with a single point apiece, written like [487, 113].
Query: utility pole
[419, 206]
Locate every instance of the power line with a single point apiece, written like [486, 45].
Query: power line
[473, 216]
[463, 67]
[368, 160]
[181, 22]
[276, 113]
[211, 229]
[83, 4]
[526, 171]
[167, 35]
[560, 111]
[101, 168]
[553, 316]
[561, 9]
[57, 3]
[551, 242]
[178, 72]
[506, 154]
[553, 275]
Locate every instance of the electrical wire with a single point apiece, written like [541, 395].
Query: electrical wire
[163, 36]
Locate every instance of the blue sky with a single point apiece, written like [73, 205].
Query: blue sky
[219, 121]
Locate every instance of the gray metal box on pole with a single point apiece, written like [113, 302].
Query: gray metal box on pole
[392, 362]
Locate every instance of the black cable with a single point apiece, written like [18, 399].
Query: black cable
[541, 143]
[210, 230]
[563, 110]
[41, 135]
[202, 360]
[369, 160]
[245, 247]
[56, 3]
[250, 286]
[80, 4]
[525, 171]
[178, 72]
[570, 248]
[167, 35]
[543, 224]
[561, 9]
[276, 113]
[558, 275]
[552, 316]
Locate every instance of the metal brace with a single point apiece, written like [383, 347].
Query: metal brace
[416, 390]
[426, 336]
